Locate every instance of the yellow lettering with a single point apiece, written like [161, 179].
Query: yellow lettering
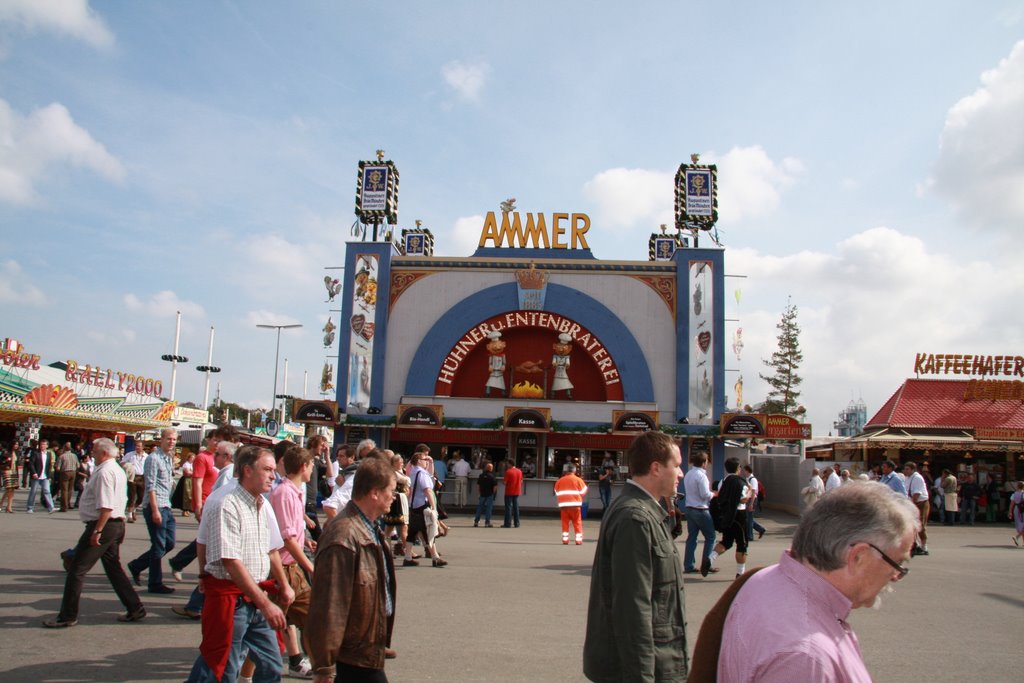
[511, 231]
[557, 230]
[490, 231]
[536, 231]
[580, 225]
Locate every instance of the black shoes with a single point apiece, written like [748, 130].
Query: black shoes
[705, 566]
[135, 576]
[137, 615]
[410, 563]
[438, 562]
[160, 589]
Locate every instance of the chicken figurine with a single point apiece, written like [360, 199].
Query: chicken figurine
[333, 286]
[329, 333]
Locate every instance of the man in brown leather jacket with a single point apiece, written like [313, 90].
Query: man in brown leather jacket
[352, 606]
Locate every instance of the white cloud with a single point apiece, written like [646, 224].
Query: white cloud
[164, 304]
[750, 185]
[463, 239]
[46, 138]
[980, 167]
[865, 309]
[467, 80]
[69, 17]
[632, 196]
[264, 317]
[15, 287]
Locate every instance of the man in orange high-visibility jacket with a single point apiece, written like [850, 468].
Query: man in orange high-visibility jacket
[570, 491]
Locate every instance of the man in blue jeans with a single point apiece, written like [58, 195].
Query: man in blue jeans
[159, 473]
[698, 517]
[487, 485]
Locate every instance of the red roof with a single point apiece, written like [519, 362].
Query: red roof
[940, 403]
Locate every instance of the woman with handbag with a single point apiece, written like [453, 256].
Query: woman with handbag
[396, 519]
[422, 506]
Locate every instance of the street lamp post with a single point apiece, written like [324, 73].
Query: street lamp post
[208, 368]
[175, 358]
[277, 355]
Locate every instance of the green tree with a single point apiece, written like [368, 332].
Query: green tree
[784, 380]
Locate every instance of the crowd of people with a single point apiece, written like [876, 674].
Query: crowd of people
[278, 591]
[271, 579]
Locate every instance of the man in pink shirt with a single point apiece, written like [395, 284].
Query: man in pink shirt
[847, 549]
[290, 511]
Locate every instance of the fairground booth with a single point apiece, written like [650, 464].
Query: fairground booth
[68, 400]
[960, 412]
[531, 350]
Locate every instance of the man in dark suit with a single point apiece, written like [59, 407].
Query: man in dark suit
[40, 465]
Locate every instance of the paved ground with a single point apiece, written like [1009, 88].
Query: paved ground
[511, 606]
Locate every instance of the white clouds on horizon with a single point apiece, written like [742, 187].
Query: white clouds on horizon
[466, 79]
[164, 304]
[980, 166]
[865, 308]
[750, 183]
[15, 287]
[73, 18]
[46, 138]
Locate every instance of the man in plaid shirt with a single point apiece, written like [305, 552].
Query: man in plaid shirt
[239, 560]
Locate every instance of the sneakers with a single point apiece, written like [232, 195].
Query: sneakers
[176, 573]
[137, 615]
[60, 623]
[301, 670]
[186, 612]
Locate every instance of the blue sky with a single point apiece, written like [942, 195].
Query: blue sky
[201, 156]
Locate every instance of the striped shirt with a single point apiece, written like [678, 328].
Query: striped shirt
[239, 530]
[159, 472]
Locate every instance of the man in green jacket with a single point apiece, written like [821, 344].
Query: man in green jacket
[636, 628]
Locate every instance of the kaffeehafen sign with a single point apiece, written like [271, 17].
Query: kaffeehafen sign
[559, 231]
[967, 364]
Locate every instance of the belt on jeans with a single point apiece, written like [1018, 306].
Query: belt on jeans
[690, 507]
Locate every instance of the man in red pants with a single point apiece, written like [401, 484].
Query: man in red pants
[570, 491]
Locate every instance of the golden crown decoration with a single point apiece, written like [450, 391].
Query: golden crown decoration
[532, 278]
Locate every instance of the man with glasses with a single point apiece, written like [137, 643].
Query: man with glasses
[849, 548]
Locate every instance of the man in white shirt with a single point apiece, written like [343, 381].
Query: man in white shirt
[834, 481]
[814, 490]
[698, 517]
[752, 525]
[460, 468]
[102, 509]
[239, 556]
[917, 489]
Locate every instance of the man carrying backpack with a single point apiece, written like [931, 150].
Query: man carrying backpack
[733, 495]
[755, 500]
